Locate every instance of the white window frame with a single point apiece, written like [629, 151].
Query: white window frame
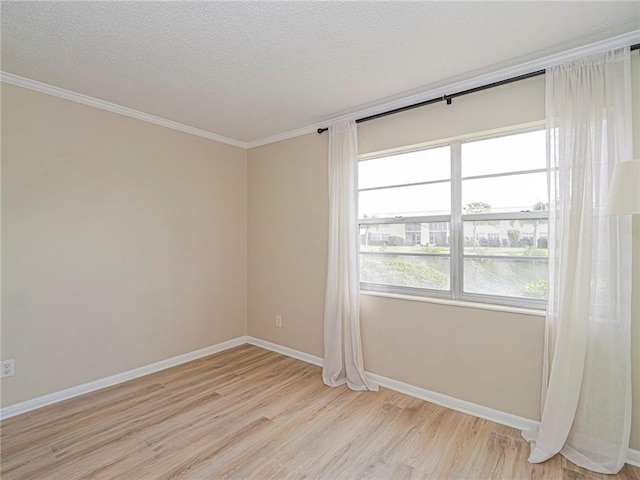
[456, 224]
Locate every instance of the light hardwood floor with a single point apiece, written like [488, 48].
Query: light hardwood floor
[252, 413]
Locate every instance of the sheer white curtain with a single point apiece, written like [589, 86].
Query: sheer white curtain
[343, 361]
[586, 412]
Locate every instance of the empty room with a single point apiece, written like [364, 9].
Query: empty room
[320, 239]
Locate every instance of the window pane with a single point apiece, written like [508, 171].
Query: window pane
[525, 237]
[510, 277]
[500, 258]
[513, 193]
[406, 201]
[413, 167]
[513, 153]
[419, 271]
[417, 238]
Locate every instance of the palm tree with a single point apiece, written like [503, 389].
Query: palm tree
[476, 207]
[538, 206]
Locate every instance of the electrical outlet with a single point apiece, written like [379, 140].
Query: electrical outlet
[7, 368]
[278, 321]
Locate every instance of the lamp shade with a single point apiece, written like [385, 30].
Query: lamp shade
[624, 189]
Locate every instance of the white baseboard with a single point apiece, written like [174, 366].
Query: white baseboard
[633, 457]
[27, 406]
[456, 404]
[289, 352]
[417, 392]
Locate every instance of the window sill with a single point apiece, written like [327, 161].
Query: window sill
[457, 303]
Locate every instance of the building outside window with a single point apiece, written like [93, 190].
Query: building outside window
[412, 234]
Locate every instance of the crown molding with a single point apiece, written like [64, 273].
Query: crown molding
[114, 108]
[287, 135]
[619, 41]
[542, 63]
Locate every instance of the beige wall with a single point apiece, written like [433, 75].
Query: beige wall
[514, 104]
[486, 357]
[123, 243]
[288, 241]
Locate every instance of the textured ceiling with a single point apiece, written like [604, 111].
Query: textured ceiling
[251, 70]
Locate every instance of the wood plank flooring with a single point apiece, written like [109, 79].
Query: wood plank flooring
[251, 413]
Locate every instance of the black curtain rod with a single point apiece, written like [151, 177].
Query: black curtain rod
[449, 98]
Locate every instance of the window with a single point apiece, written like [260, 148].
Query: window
[407, 198]
[467, 220]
